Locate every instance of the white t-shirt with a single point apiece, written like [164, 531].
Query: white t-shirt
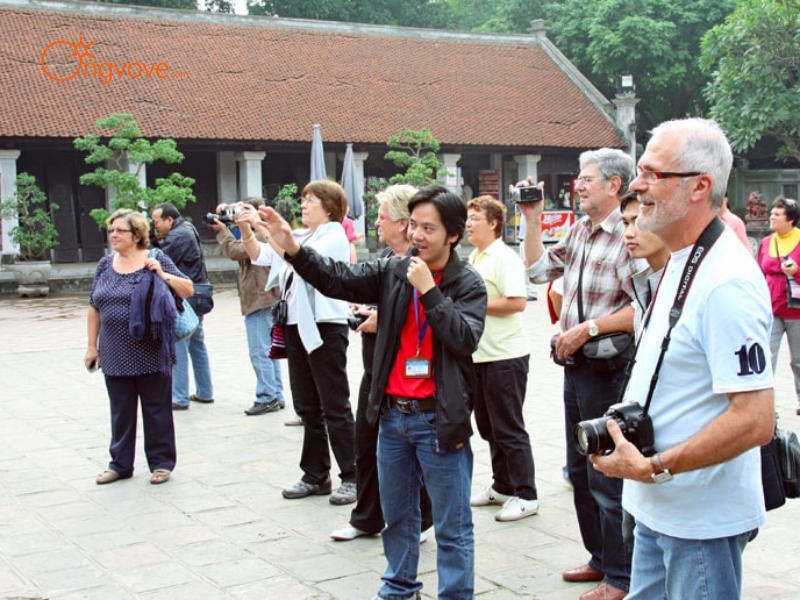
[720, 345]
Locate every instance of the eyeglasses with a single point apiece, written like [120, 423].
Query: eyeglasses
[473, 219]
[586, 180]
[310, 201]
[113, 231]
[653, 176]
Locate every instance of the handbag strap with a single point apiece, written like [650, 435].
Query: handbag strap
[698, 253]
[200, 246]
[580, 287]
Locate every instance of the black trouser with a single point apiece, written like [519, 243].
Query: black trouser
[155, 392]
[499, 398]
[367, 514]
[321, 396]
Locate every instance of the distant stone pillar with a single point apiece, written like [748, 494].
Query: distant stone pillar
[359, 158]
[451, 181]
[527, 166]
[250, 173]
[226, 178]
[626, 118]
[8, 177]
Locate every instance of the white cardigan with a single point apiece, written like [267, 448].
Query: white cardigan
[307, 306]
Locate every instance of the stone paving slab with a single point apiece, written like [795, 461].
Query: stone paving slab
[220, 528]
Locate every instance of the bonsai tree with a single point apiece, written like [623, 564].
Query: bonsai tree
[287, 204]
[126, 146]
[35, 234]
[415, 151]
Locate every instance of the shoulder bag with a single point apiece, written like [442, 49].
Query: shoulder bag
[203, 299]
[780, 463]
[277, 349]
[792, 286]
[186, 320]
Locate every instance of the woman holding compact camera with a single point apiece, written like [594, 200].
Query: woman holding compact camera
[316, 342]
[129, 327]
[778, 257]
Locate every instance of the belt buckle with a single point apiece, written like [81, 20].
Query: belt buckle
[403, 405]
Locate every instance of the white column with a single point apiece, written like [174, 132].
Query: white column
[626, 119]
[527, 166]
[359, 158]
[8, 177]
[250, 173]
[451, 181]
[226, 178]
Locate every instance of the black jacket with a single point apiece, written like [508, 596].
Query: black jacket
[456, 311]
[182, 245]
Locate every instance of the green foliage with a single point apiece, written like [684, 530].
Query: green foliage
[656, 41]
[414, 151]
[754, 62]
[287, 203]
[373, 185]
[126, 146]
[407, 13]
[35, 233]
[180, 4]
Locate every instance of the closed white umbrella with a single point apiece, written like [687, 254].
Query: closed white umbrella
[317, 155]
[352, 184]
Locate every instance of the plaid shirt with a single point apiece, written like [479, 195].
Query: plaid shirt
[607, 284]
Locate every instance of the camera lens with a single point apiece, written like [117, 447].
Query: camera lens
[592, 436]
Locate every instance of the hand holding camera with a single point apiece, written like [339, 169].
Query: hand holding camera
[789, 266]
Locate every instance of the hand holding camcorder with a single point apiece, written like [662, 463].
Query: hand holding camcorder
[521, 195]
[226, 213]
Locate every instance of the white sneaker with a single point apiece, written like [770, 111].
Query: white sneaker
[488, 497]
[349, 533]
[516, 508]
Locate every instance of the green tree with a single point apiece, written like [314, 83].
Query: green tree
[656, 41]
[34, 233]
[127, 147]
[754, 62]
[181, 4]
[414, 151]
[407, 13]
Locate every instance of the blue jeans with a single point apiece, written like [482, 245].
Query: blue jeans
[668, 567]
[196, 347]
[269, 385]
[598, 499]
[408, 452]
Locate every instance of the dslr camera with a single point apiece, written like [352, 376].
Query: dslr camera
[355, 320]
[227, 216]
[592, 436]
[529, 193]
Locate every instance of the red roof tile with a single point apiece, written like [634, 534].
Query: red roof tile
[251, 78]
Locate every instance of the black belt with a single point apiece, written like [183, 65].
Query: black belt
[409, 406]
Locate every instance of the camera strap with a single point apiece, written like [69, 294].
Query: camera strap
[698, 253]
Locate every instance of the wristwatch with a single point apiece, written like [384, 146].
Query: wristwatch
[660, 474]
[594, 330]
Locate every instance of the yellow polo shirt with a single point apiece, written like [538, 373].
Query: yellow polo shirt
[504, 274]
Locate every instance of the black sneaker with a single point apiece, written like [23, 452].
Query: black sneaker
[301, 489]
[262, 408]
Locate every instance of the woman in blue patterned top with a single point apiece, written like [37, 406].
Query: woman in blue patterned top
[129, 301]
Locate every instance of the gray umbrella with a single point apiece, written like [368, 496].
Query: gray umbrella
[352, 184]
[317, 156]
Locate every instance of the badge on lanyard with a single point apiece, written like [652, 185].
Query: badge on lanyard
[418, 367]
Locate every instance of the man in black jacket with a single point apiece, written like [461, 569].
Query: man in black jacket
[179, 240]
[433, 308]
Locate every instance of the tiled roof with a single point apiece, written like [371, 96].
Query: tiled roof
[254, 78]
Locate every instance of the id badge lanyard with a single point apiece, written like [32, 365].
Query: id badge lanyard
[418, 367]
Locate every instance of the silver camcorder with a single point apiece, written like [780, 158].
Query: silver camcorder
[529, 193]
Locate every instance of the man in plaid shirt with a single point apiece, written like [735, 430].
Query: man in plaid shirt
[592, 258]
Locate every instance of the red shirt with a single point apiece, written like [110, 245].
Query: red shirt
[398, 384]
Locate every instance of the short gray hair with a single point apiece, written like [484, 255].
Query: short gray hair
[396, 198]
[702, 147]
[612, 163]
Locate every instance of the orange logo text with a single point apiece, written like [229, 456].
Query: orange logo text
[81, 62]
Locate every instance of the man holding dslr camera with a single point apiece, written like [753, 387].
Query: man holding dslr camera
[703, 368]
[256, 304]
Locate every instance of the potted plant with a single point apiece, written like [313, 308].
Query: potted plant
[374, 185]
[34, 234]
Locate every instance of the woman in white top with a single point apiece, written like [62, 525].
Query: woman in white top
[316, 343]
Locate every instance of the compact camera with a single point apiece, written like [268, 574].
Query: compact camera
[592, 436]
[529, 193]
[788, 262]
[227, 216]
[355, 320]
